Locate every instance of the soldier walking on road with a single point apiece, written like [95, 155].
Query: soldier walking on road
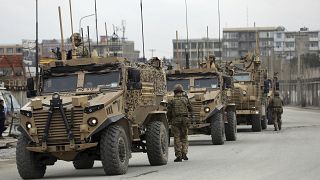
[178, 114]
[2, 118]
[276, 105]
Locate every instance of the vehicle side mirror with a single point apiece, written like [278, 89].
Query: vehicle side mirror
[30, 84]
[228, 82]
[30, 88]
[266, 87]
[134, 79]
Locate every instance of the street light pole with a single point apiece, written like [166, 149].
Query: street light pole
[82, 19]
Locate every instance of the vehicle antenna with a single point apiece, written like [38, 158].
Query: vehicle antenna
[88, 29]
[61, 32]
[142, 29]
[96, 14]
[72, 38]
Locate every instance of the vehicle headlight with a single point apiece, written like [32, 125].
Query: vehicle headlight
[55, 96]
[244, 93]
[28, 125]
[92, 122]
[206, 109]
[257, 112]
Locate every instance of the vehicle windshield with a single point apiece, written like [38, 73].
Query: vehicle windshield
[60, 84]
[242, 77]
[211, 82]
[110, 79]
[184, 82]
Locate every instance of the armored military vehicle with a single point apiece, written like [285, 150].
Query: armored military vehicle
[210, 94]
[250, 92]
[93, 109]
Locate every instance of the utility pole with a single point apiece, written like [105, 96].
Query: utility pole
[152, 51]
[187, 46]
[37, 49]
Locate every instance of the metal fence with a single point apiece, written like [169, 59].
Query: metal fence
[310, 92]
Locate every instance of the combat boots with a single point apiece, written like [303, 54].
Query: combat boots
[178, 159]
[185, 157]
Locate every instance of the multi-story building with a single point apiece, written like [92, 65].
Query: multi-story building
[198, 50]
[285, 43]
[117, 47]
[12, 49]
[238, 42]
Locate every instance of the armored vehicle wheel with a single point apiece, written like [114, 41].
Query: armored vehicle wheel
[114, 150]
[29, 167]
[84, 163]
[256, 123]
[157, 143]
[264, 122]
[217, 134]
[231, 126]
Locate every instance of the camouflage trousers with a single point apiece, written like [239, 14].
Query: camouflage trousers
[180, 134]
[276, 116]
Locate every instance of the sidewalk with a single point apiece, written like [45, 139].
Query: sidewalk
[309, 108]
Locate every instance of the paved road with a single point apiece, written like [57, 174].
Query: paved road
[291, 154]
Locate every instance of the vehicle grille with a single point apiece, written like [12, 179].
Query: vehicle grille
[196, 107]
[57, 131]
[242, 105]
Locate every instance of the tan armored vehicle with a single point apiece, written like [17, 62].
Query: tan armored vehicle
[210, 94]
[250, 92]
[93, 109]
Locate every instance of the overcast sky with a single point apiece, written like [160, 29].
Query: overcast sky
[161, 18]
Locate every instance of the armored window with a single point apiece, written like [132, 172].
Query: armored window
[206, 82]
[242, 77]
[60, 84]
[110, 79]
[184, 82]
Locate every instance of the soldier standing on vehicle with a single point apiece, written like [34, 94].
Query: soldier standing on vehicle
[2, 118]
[276, 104]
[80, 49]
[178, 114]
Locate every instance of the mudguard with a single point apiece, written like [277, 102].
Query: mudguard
[157, 116]
[107, 123]
[217, 109]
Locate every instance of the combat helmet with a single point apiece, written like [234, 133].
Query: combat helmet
[75, 36]
[178, 88]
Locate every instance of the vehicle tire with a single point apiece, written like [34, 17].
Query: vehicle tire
[114, 150]
[85, 163]
[256, 123]
[231, 126]
[157, 143]
[28, 165]
[217, 134]
[264, 123]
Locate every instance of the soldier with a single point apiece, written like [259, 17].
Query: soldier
[80, 49]
[178, 111]
[276, 105]
[2, 118]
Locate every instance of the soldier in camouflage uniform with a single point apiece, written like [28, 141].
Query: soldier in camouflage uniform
[178, 111]
[276, 105]
[80, 49]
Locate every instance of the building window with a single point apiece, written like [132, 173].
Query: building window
[313, 35]
[279, 35]
[19, 50]
[289, 44]
[290, 35]
[278, 44]
[1, 51]
[314, 44]
[194, 45]
[10, 51]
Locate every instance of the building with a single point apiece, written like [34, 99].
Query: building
[117, 47]
[286, 43]
[237, 42]
[199, 49]
[11, 49]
